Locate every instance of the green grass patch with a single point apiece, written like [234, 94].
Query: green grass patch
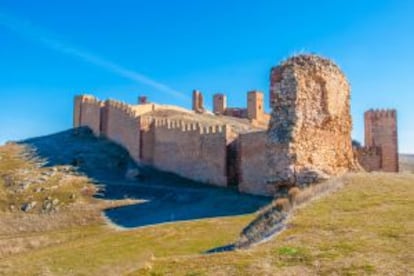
[365, 228]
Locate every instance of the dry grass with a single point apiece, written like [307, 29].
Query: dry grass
[367, 227]
[293, 193]
[283, 204]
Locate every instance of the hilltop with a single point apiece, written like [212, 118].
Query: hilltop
[365, 227]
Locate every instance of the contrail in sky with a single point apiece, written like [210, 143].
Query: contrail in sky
[28, 30]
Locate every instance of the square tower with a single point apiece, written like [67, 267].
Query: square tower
[198, 105]
[255, 102]
[219, 104]
[381, 131]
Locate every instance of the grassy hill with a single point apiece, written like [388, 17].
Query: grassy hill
[367, 227]
[407, 163]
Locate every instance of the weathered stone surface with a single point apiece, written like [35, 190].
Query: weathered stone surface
[309, 135]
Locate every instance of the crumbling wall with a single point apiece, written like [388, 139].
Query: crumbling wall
[219, 103]
[381, 131]
[309, 135]
[87, 112]
[123, 127]
[198, 105]
[253, 163]
[191, 150]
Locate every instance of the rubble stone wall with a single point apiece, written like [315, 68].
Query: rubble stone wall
[309, 134]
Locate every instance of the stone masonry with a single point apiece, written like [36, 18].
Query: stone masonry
[254, 111]
[309, 136]
[198, 105]
[380, 152]
[306, 138]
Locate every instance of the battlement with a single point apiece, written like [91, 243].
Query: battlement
[121, 106]
[88, 99]
[87, 112]
[381, 113]
[187, 126]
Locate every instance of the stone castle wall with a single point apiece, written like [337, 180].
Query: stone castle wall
[88, 113]
[188, 149]
[191, 150]
[122, 127]
[253, 163]
[308, 135]
[369, 158]
[147, 134]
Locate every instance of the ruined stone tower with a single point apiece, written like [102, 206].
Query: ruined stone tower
[381, 132]
[219, 104]
[198, 105]
[309, 135]
[255, 106]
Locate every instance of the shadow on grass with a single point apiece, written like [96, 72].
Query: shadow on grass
[167, 197]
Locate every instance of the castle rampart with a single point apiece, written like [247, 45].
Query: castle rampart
[122, 126]
[253, 163]
[191, 150]
[88, 113]
[308, 137]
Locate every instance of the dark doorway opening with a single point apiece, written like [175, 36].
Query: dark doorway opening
[232, 163]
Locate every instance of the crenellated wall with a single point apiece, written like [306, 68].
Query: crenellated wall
[191, 150]
[88, 113]
[122, 126]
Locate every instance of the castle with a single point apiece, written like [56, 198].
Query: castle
[306, 138]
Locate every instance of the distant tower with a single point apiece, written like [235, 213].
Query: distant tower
[381, 131]
[142, 100]
[198, 101]
[219, 104]
[255, 105]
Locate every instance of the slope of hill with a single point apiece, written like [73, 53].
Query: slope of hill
[367, 227]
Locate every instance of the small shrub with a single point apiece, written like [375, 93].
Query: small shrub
[292, 194]
[283, 204]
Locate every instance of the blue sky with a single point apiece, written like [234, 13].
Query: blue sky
[53, 50]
